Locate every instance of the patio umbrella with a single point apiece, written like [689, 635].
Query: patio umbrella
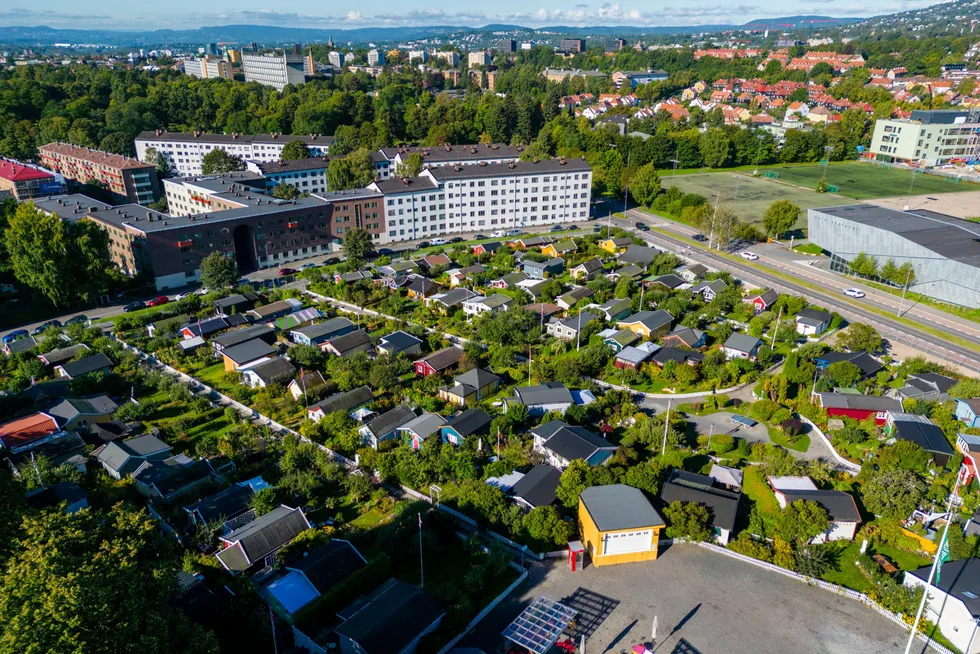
[653, 635]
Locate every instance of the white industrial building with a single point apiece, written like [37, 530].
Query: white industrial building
[277, 70]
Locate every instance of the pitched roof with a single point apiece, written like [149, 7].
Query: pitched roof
[840, 505]
[858, 402]
[21, 345]
[957, 579]
[173, 474]
[575, 442]
[274, 369]
[389, 421]
[456, 296]
[669, 280]
[700, 489]
[670, 353]
[125, 456]
[328, 565]
[477, 378]
[424, 425]
[274, 308]
[72, 407]
[65, 491]
[813, 317]
[324, 328]
[716, 286]
[575, 295]
[444, 358]
[350, 341]
[618, 507]
[742, 342]
[24, 431]
[635, 355]
[867, 363]
[206, 327]
[537, 487]
[922, 431]
[687, 335]
[248, 351]
[550, 263]
[652, 320]
[547, 393]
[261, 537]
[345, 401]
[227, 504]
[396, 614]
[398, 341]
[237, 336]
[469, 422]
[84, 366]
[768, 297]
[581, 318]
[639, 254]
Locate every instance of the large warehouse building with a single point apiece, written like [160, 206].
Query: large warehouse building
[944, 251]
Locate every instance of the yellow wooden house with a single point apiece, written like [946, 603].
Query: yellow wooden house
[618, 525]
[560, 249]
[616, 245]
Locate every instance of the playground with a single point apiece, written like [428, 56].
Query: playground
[866, 181]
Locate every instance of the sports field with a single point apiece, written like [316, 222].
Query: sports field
[865, 181]
[750, 196]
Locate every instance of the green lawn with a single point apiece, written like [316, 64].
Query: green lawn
[848, 574]
[808, 248]
[863, 181]
[374, 517]
[776, 435]
[756, 488]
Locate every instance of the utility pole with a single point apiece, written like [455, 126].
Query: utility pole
[666, 426]
[901, 305]
[711, 237]
[776, 328]
[578, 332]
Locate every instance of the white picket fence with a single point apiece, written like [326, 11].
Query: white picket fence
[841, 461]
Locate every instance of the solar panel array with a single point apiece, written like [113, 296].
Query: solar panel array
[539, 626]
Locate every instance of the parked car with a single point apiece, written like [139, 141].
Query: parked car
[181, 296]
[456, 239]
[556, 228]
[423, 244]
[385, 252]
[481, 237]
[751, 256]
[307, 266]
[572, 227]
[853, 292]
[134, 306]
[439, 241]
[14, 335]
[513, 232]
[80, 319]
[700, 238]
[40, 329]
[331, 261]
[497, 234]
[286, 272]
[159, 301]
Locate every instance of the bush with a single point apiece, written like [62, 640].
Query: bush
[792, 427]
[748, 546]
[723, 443]
[763, 410]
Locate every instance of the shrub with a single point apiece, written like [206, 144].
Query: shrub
[792, 427]
[763, 410]
[723, 443]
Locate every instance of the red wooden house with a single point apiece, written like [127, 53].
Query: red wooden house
[438, 362]
[858, 407]
[764, 300]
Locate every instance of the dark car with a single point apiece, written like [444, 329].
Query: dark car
[40, 329]
[456, 239]
[641, 226]
[331, 261]
[385, 252]
[159, 301]
[134, 306]
[14, 335]
[700, 238]
[307, 266]
[571, 227]
[286, 272]
[480, 237]
[423, 244]
[556, 228]
[80, 319]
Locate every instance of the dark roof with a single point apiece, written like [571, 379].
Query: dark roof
[350, 341]
[859, 402]
[957, 578]
[457, 295]
[670, 353]
[56, 357]
[228, 503]
[327, 566]
[639, 254]
[232, 301]
[291, 165]
[669, 280]
[867, 363]
[345, 401]
[391, 420]
[237, 336]
[550, 263]
[462, 152]
[248, 351]
[398, 185]
[422, 285]
[470, 422]
[398, 341]
[840, 505]
[84, 366]
[206, 327]
[742, 342]
[110, 430]
[538, 486]
[769, 297]
[933, 380]
[274, 369]
[921, 431]
[173, 474]
[72, 407]
[813, 317]
[652, 320]
[576, 443]
[444, 358]
[477, 378]
[325, 328]
[687, 335]
[947, 236]
[57, 451]
[699, 489]
[515, 169]
[262, 536]
[55, 494]
[21, 345]
[618, 507]
[47, 389]
[396, 614]
[546, 393]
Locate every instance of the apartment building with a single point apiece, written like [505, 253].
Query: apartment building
[457, 199]
[418, 56]
[336, 59]
[451, 58]
[375, 58]
[307, 175]
[927, 138]
[127, 179]
[389, 159]
[209, 68]
[572, 45]
[190, 196]
[481, 58]
[27, 182]
[277, 70]
[185, 150]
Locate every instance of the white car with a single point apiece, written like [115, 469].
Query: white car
[853, 292]
[438, 241]
[181, 296]
[751, 256]
[497, 234]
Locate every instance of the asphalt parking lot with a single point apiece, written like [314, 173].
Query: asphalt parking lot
[713, 604]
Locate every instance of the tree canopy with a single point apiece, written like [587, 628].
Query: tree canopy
[218, 270]
[780, 217]
[219, 161]
[295, 149]
[358, 245]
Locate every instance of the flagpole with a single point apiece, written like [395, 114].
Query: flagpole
[935, 565]
[421, 569]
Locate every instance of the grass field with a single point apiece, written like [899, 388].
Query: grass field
[863, 181]
[749, 196]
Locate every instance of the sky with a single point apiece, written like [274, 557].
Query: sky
[189, 14]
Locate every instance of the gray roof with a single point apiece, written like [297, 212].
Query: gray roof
[922, 431]
[328, 565]
[248, 351]
[618, 507]
[125, 456]
[345, 401]
[237, 336]
[688, 335]
[742, 342]
[391, 420]
[859, 402]
[84, 366]
[227, 504]
[813, 317]
[291, 165]
[639, 254]
[424, 425]
[634, 355]
[716, 285]
[581, 318]
[173, 474]
[395, 615]
[398, 185]
[398, 341]
[652, 320]
[274, 369]
[576, 294]
[206, 327]
[262, 536]
[469, 422]
[350, 341]
[537, 487]
[22, 345]
[945, 235]
[840, 505]
[575, 442]
[867, 363]
[541, 265]
[73, 407]
[455, 296]
[669, 280]
[326, 328]
[444, 358]
[477, 378]
[205, 137]
[769, 296]
[958, 578]
[547, 393]
[514, 277]
[691, 487]
[463, 152]
[514, 169]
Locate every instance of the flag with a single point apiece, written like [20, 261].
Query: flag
[498, 442]
[943, 556]
[420, 520]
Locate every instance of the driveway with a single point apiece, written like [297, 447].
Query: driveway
[713, 604]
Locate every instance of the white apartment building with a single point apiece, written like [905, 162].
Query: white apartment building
[451, 58]
[376, 58]
[388, 159]
[277, 70]
[478, 59]
[420, 56]
[209, 68]
[336, 59]
[459, 199]
[185, 150]
[927, 138]
[307, 175]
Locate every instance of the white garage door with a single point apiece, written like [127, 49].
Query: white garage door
[627, 541]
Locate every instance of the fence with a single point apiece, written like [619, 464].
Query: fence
[844, 463]
[486, 609]
[826, 585]
[685, 396]
[967, 175]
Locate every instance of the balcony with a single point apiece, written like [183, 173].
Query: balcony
[185, 244]
[292, 225]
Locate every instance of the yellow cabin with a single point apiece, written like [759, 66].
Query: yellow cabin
[618, 525]
[616, 245]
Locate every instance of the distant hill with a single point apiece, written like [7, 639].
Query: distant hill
[947, 17]
[270, 34]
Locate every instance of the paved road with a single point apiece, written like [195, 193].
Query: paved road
[889, 328]
[711, 602]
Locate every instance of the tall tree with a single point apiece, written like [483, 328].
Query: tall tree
[285, 191]
[68, 573]
[411, 166]
[780, 217]
[218, 270]
[358, 245]
[164, 166]
[219, 161]
[295, 149]
[645, 184]
[356, 170]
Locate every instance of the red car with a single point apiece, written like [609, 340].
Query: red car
[285, 272]
[159, 301]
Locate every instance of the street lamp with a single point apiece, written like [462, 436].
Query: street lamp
[626, 190]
